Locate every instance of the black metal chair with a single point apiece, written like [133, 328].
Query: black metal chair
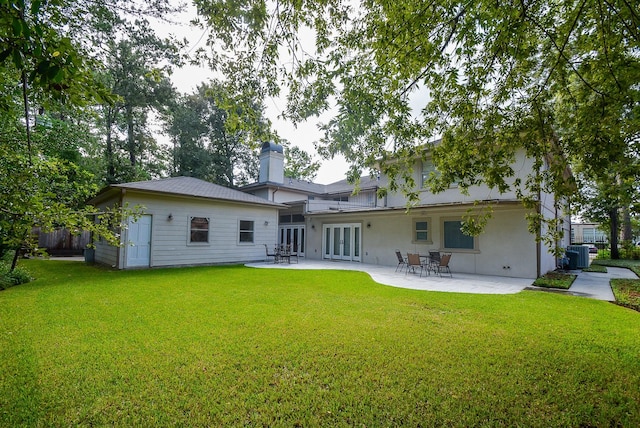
[402, 262]
[274, 254]
[434, 261]
[284, 253]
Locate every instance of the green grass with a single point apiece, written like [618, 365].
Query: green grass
[595, 268]
[555, 280]
[627, 292]
[234, 346]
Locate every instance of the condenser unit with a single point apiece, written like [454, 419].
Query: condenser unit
[583, 255]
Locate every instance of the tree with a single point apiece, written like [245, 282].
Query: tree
[214, 135]
[42, 69]
[299, 164]
[136, 75]
[488, 77]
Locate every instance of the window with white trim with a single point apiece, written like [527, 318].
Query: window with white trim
[246, 231]
[199, 230]
[421, 231]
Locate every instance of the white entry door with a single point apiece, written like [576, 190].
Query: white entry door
[342, 241]
[139, 242]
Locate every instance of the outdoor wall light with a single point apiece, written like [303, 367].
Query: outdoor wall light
[369, 225]
[313, 226]
[266, 223]
[170, 217]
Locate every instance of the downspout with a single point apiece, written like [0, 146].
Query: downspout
[273, 199]
[119, 248]
[538, 244]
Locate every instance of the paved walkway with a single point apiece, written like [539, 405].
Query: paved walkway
[596, 285]
[588, 284]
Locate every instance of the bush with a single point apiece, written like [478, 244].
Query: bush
[16, 277]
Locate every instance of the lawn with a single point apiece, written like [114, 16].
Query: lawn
[235, 346]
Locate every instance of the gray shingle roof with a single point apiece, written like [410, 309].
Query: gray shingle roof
[342, 186]
[189, 186]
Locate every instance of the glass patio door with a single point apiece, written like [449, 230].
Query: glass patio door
[294, 236]
[341, 242]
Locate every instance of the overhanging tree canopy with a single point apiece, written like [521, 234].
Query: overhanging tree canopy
[488, 77]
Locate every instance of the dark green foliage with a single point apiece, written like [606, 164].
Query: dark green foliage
[555, 80]
[9, 278]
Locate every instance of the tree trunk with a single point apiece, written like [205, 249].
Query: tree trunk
[14, 262]
[131, 139]
[613, 217]
[111, 170]
[627, 233]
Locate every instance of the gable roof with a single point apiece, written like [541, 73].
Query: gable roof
[190, 187]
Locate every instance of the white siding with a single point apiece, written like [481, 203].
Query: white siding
[170, 237]
[106, 254]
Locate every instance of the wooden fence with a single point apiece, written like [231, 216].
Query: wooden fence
[61, 242]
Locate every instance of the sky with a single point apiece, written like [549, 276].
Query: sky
[304, 135]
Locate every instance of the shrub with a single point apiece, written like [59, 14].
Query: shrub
[10, 278]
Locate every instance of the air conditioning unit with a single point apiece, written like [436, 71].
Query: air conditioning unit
[583, 255]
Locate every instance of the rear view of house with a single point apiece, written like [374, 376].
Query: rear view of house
[330, 222]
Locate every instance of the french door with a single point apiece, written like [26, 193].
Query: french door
[342, 241]
[294, 236]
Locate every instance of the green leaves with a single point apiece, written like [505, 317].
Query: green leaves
[555, 79]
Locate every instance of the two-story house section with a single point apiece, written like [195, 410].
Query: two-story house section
[329, 222]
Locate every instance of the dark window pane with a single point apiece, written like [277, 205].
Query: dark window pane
[199, 229]
[199, 236]
[246, 236]
[454, 238]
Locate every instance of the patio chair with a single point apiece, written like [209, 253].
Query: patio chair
[434, 261]
[413, 262]
[285, 253]
[293, 253]
[402, 262]
[273, 254]
[443, 266]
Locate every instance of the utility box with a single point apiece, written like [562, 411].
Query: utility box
[89, 255]
[583, 255]
[573, 259]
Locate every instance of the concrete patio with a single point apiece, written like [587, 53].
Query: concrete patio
[588, 284]
[459, 283]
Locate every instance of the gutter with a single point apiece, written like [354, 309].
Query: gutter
[119, 248]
